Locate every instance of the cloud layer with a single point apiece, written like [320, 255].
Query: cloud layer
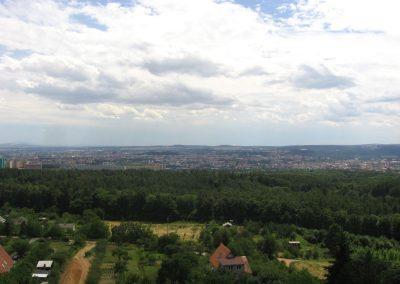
[324, 66]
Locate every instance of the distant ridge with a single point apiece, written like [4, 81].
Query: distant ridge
[27, 145]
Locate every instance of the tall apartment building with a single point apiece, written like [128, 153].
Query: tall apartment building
[2, 163]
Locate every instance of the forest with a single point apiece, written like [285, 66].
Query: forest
[364, 203]
[347, 220]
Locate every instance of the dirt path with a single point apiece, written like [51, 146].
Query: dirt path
[287, 261]
[78, 268]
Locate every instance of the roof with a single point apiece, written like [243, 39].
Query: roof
[67, 226]
[6, 263]
[294, 242]
[222, 256]
[2, 220]
[44, 264]
[221, 252]
[41, 274]
[227, 224]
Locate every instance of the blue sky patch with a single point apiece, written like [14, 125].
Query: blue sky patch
[14, 53]
[88, 21]
[269, 6]
[123, 3]
[3, 49]
[20, 53]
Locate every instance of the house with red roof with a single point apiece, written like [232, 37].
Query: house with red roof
[222, 258]
[6, 263]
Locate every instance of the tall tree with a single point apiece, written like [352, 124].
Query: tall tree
[338, 272]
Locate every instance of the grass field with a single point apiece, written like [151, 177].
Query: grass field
[107, 266]
[315, 267]
[59, 246]
[185, 230]
[140, 262]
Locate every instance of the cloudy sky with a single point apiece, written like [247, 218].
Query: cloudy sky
[161, 72]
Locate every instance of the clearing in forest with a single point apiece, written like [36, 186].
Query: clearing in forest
[185, 230]
[317, 268]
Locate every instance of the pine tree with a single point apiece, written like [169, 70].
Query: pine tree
[337, 273]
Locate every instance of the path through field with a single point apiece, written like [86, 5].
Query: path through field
[78, 268]
[286, 261]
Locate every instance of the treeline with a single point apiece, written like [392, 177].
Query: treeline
[365, 203]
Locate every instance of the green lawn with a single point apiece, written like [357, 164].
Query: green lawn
[59, 246]
[141, 262]
[318, 266]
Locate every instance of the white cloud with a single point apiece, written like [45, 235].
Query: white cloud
[201, 61]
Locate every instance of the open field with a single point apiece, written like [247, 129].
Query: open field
[59, 245]
[185, 230]
[315, 267]
[140, 262]
[107, 266]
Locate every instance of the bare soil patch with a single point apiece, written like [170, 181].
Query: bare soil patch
[78, 268]
[287, 261]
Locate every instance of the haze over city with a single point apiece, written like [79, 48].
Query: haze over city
[164, 72]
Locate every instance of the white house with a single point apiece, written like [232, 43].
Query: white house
[227, 224]
[43, 269]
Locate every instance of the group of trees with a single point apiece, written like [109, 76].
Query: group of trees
[29, 236]
[29, 255]
[363, 203]
[90, 226]
[273, 205]
[183, 261]
[362, 266]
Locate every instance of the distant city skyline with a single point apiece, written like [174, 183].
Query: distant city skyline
[199, 72]
[180, 157]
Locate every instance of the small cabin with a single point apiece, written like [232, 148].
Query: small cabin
[294, 244]
[67, 226]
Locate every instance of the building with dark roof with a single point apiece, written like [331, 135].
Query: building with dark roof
[222, 258]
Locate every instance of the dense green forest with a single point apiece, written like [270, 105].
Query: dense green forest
[366, 203]
[348, 220]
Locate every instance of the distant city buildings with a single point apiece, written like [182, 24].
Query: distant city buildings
[199, 157]
[20, 164]
[2, 163]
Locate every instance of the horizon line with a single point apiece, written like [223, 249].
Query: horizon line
[185, 145]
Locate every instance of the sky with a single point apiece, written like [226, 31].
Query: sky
[204, 72]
